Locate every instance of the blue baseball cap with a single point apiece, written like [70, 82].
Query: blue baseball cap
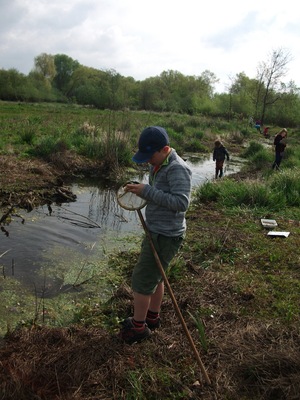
[152, 139]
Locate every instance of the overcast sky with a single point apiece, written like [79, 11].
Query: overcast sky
[144, 38]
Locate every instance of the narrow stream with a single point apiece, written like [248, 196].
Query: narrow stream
[49, 252]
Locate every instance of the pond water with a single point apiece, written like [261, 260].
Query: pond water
[45, 252]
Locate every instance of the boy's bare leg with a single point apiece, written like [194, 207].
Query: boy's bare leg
[141, 306]
[156, 298]
[142, 303]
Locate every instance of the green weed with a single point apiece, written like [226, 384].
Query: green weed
[201, 330]
[28, 135]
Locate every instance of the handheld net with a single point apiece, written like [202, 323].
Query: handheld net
[128, 200]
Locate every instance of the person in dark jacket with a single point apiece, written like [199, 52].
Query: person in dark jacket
[219, 155]
[280, 145]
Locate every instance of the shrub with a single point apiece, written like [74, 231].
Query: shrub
[245, 132]
[28, 135]
[112, 148]
[236, 137]
[288, 183]
[196, 146]
[206, 193]
[291, 157]
[261, 159]
[195, 122]
[44, 148]
[176, 137]
[198, 135]
[252, 149]
[230, 193]
[177, 126]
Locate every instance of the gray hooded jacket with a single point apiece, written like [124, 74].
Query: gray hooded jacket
[168, 197]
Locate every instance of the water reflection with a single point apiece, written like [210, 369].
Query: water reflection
[203, 168]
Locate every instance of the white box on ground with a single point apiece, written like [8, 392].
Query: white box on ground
[268, 223]
[280, 234]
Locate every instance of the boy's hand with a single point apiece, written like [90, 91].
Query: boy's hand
[136, 188]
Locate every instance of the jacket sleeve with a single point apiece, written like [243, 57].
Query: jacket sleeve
[227, 154]
[277, 139]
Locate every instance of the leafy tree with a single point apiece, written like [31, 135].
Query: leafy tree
[149, 93]
[65, 67]
[90, 86]
[13, 85]
[221, 102]
[202, 89]
[41, 90]
[172, 91]
[44, 65]
[209, 80]
[114, 82]
[170, 84]
[128, 93]
[287, 111]
[241, 95]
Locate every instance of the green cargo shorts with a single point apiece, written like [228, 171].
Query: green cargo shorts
[146, 274]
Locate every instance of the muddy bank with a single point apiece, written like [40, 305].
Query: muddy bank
[28, 183]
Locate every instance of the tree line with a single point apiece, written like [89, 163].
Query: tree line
[59, 78]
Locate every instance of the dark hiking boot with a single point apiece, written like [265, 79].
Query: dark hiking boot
[153, 323]
[130, 334]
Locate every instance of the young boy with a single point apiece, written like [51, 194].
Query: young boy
[168, 197]
[219, 155]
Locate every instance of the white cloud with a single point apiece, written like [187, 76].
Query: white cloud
[142, 39]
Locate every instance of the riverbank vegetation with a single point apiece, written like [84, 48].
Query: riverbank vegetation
[237, 287]
[69, 140]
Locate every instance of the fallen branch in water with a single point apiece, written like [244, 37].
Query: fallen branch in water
[1, 255]
[75, 284]
[6, 215]
[93, 225]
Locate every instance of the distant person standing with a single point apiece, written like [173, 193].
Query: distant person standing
[219, 155]
[258, 125]
[266, 132]
[280, 142]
